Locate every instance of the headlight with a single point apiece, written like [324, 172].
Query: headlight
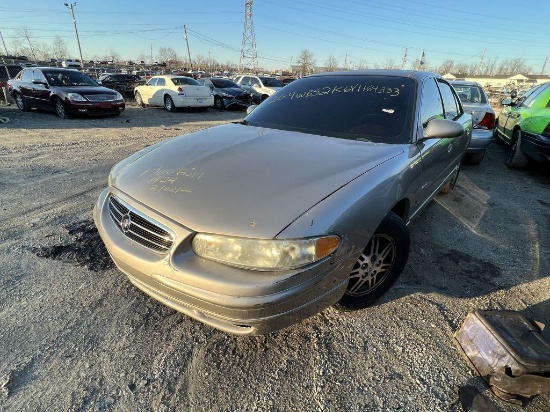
[226, 95]
[264, 254]
[75, 97]
[118, 96]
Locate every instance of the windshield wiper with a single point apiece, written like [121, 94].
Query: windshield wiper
[243, 122]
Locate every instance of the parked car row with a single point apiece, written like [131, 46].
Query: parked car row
[523, 123]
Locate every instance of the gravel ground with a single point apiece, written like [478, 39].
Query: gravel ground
[75, 335]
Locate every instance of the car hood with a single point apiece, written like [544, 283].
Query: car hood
[243, 180]
[86, 89]
[233, 91]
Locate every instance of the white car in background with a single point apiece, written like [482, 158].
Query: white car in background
[261, 87]
[173, 92]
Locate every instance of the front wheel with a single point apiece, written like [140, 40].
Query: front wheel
[21, 102]
[218, 103]
[60, 109]
[169, 104]
[379, 265]
[515, 158]
[139, 99]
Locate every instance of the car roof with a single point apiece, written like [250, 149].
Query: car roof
[417, 75]
[464, 83]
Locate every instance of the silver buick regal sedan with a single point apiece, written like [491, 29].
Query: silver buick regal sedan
[253, 226]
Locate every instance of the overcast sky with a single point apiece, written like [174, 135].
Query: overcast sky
[352, 31]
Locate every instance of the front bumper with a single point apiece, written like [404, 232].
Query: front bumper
[481, 138]
[536, 146]
[234, 300]
[95, 108]
[236, 101]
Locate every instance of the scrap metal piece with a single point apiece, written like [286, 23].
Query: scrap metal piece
[508, 351]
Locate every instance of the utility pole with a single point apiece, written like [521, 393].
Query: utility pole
[404, 61]
[70, 6]
[346, 62]
[4, 43]
[151, 54]
[188, 51]
[541, 72]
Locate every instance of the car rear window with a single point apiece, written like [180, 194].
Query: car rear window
[271, 82]
[357, 107]
[183, 81]
[224, 83]
[470, 94]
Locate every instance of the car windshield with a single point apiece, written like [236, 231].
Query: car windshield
[470, 93]
[223, 83]
[356, 107]
[68, 78]
[185, 81]
[271, 82]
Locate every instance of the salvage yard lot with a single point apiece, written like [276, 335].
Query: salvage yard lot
[73, 338]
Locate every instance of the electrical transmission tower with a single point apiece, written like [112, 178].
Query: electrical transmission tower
[249, 58]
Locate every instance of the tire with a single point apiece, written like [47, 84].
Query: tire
[218, 103]
[515, 158]
[60, 109]
[169, 104]
[475, 158]
[21, 102]
[139, 99]
[450, 184]
[373, 274]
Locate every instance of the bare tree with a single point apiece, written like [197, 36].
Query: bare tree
[389, 64]
[362, 65]
[331, 64]
[169, 56]
[446, 67]
[200, 62]
[112, 55]
[59, 48]
[462, 68]
[306, 62]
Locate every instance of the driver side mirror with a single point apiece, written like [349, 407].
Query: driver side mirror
[442, 129]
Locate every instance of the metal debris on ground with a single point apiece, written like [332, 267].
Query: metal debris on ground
[509, 353]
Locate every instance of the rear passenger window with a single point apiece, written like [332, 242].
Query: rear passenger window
[450, 102]
[161, 82]
[432, 107]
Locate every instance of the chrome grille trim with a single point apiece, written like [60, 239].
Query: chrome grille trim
[100, 97]
[139, 227]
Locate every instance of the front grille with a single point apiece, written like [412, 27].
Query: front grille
[100, 97]
[140, 228]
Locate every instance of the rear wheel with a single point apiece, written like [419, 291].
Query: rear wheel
[218, 103]
[169, 104]
[60, 109]
[139, 99]
[475, 158]
[379, 265]
[515, 158]
[21, 102]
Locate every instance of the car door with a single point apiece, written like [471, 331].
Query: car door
[148, 89]
[41, 91]
[157, 97]
[25, 86]
[439, 156]
[511, 114]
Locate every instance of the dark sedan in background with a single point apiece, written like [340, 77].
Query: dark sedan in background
[122, 83]
[66, 92]
[227, 93]
[253, 226]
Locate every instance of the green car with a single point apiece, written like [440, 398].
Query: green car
[524, 124]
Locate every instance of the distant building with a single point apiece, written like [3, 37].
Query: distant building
[500, 81]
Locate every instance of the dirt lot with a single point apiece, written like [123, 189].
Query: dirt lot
[75, 335]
